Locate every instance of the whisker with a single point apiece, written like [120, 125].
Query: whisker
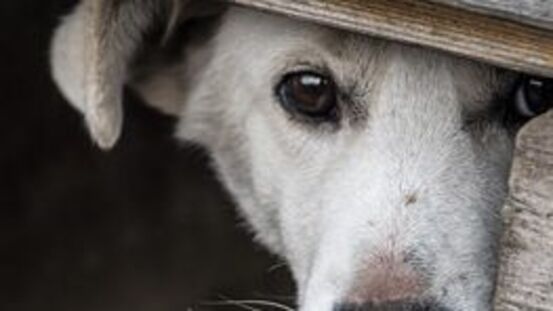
[265, 303]
[276, 266]
[289, 298]
[231, 303]
[249, 304]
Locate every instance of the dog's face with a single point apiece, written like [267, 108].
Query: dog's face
[377, 170]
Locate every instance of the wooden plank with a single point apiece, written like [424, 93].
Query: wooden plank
[533, 12]
[494, 40]
[526, 262]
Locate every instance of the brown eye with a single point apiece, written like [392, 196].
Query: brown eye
[308, 94]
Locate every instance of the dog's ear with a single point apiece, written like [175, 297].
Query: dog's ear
[94, 47]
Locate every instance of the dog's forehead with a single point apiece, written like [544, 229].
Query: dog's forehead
[357, 61]
[277, 34]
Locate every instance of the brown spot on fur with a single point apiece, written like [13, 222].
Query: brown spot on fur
[411, 199]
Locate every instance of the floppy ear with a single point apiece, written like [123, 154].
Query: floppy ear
[95, 45]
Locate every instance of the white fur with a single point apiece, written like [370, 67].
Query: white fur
[403, 176]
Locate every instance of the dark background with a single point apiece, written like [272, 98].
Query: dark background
[144, 227]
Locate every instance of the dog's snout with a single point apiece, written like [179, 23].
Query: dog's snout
[387, 277]
[390, 306]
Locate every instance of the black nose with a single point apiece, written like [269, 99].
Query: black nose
[390, 306]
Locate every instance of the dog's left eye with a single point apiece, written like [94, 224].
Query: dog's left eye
[533, 97]
[308, 94]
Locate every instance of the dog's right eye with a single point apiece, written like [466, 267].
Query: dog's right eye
[308, 94]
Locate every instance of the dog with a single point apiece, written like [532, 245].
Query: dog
[375, 169]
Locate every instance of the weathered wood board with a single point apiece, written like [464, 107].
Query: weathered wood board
[526, 266]
[499, 41]
[533, 12]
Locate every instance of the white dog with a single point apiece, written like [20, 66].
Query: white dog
[375, 169]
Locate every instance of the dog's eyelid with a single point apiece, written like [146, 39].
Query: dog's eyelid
[305, 67]
[298, 61]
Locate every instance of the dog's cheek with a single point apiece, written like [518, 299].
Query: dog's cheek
[493, 146]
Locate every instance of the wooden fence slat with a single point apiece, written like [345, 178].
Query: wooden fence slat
[526, 262]
[533, 12]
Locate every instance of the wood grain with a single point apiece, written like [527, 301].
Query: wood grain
[533, 12]
[494, 40]
[526, 263]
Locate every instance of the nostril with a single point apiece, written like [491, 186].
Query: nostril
[390, 306]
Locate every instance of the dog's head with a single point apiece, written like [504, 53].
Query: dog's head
[376, 169]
